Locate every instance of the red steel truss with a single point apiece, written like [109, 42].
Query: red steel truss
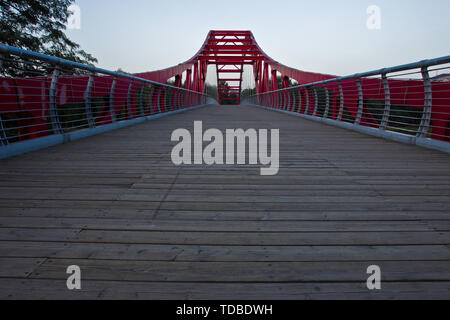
[229, 51]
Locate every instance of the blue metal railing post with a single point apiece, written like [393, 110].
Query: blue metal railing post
[341, 102]
[130, 92]
[88, 102]
[111, 100]
[427, 110]
[327, 102]
[387, 102]
[360, 101]
[54, 118]
[3, 135]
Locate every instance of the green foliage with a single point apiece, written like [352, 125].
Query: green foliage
[234, 97]
[38, 25]
[403, 118]
[248, 93]
[211, 90]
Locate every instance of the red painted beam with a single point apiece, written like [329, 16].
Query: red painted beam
[228, 48]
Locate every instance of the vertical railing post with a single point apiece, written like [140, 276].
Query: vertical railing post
[341, 102]
[327, 102]
[307, 101]
[111, 100]
[141, 100]
[159, 100]
[3, 136]
[168, 99]
[88, 102]
[286, 100]
[360, 102]
[175, 99]
[178, 99]
[428, 107]
[288, 93]
[130, 92]
[281, 98]
[56, 125]
[387, 102]
[150, 100]
[300, 100]
[316, 102]
[292, 100]
[184, 100]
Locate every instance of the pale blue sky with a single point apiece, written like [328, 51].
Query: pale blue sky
[325, 36]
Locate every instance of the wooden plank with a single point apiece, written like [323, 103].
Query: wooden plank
[36, 234]
[56, 289]
[221, 253]
[264, 238]
[223, 226]
[205, 215]
[144, 228]
[18, 267]
[164, 271]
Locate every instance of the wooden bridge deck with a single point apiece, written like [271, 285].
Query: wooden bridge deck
[141, 228]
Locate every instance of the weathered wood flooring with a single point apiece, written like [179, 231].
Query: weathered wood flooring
[141, 228]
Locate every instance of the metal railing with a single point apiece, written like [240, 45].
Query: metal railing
[42, 95]
[403, 100]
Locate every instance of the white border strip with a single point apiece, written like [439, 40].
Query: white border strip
[19, 148]
[389, 135]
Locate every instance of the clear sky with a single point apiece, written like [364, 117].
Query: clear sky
[326, 36]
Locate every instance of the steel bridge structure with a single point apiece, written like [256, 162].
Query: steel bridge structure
[87, 180]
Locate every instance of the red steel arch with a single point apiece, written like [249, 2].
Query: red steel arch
[229, 51]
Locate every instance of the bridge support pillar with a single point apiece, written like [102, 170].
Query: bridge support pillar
[178, 81]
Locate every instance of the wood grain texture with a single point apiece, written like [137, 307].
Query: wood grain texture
[141, 228]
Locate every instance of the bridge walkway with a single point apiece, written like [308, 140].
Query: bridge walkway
[141, 228]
